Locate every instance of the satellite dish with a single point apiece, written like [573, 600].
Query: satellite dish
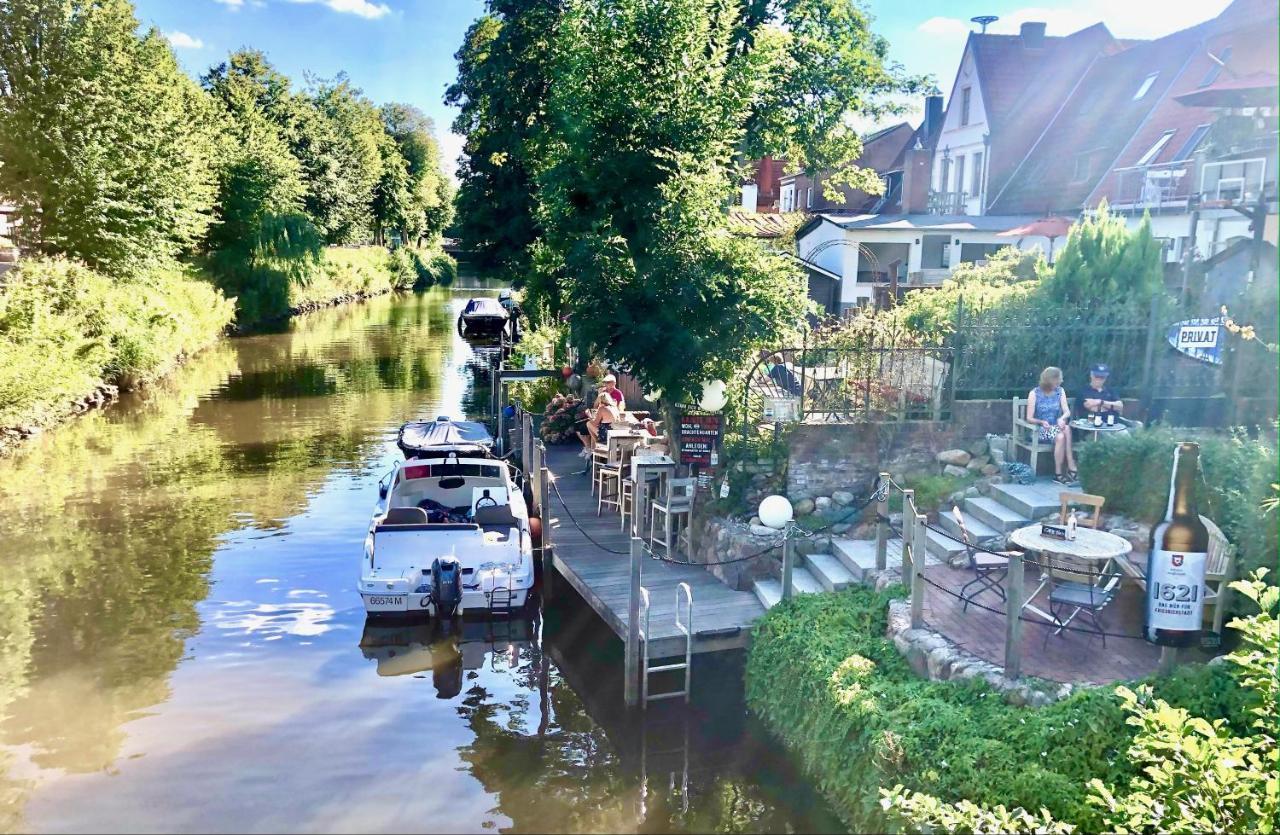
[984, 20]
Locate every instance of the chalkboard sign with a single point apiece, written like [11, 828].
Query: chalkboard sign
[699, 435]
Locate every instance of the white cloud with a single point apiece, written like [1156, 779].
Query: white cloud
[181, 40]
[359, 8]
[944, 27]
[234, 4]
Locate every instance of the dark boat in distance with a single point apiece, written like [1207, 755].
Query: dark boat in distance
[483, 317]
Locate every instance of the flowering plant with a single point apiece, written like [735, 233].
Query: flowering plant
[560, 415]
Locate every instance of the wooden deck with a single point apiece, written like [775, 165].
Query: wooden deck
[722, 617]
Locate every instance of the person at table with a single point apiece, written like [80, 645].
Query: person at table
[602, 420]
[609, 386]
[781, 375]
[1098, 398]
[1047, 408]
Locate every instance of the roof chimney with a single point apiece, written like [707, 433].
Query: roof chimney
[1033, 35]
[932, 115]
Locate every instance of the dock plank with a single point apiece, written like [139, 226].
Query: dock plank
[722, 617]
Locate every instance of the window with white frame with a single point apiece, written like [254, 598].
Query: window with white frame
[965, 97]
[975, 179]
[1154, 150]
[1193, 141]
[787, 198]
[808, 198]
[1145, 86]
[959, 173]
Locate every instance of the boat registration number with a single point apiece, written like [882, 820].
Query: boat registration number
[388, 601]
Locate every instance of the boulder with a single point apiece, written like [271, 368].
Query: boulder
[979, 447]
[955, 470]
[761, 530]
[978, 462]
[953, 457]
[997, 456]
[755, 522]
[822, 504]
[804, 507]
[842, 497]
[990, 470]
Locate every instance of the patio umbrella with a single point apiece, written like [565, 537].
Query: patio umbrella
[1253, 90]
[1045, 227]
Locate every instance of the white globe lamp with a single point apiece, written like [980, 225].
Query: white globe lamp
[714, 395]
[775, 512]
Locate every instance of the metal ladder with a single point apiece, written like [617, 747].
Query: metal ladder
[500, 598]
[683, 595]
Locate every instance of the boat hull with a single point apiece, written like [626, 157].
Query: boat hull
[412, 604]
[484, 324]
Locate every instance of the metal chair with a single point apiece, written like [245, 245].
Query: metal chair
[989, 570]
[674, 503]
[1089, 598]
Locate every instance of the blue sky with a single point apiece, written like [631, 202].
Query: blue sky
[402, 50]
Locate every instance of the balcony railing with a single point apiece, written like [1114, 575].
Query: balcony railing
[947, 202]
[1167, 185]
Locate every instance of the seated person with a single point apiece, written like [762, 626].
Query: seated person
[781, 375]
[605, 416]
[1047, 409]
[1098, 398]
[609, 386]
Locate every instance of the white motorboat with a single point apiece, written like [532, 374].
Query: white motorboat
[450, 533]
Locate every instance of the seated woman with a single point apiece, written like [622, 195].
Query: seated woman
[1047, 408]
[606, 415]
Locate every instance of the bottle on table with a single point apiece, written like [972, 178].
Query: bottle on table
[1176, 561]
[1071, 526]
[1111, 418]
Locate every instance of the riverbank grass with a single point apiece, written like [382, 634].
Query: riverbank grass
[826, 681]
[66, 330]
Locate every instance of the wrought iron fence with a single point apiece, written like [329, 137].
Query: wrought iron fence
[865, 378]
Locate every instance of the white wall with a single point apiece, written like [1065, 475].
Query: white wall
[749, 194]
[1216, 230]
[832, 257]
[962, 140]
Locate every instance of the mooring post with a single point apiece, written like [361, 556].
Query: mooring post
[1168, 660]
[788, 559]
[908, 532]
[1013, 617]
[917, 571]
[632, 660]
[882, 523]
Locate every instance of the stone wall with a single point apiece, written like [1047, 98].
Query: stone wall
[826, 458]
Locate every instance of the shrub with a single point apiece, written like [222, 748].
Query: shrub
[561, 412]
[932, 489]
[433, 268]
[825, 679]
[1009, 278]
[404, 269]
[1132, 472]
[65, 328]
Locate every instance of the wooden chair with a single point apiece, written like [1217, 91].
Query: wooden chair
[1069, 500]
[675, 503]
[1026, 435]
[1219, 571]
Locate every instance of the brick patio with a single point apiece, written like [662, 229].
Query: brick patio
[1073, 657]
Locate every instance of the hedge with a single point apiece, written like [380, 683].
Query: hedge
[66, 329]
[826, 681]
[1132, 472]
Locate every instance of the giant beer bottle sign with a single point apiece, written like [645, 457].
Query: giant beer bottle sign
[1175, 586]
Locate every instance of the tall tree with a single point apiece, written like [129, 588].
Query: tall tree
[430, 188]
[339, 143]
[1103, 263]
[504, 75]
[105, 144]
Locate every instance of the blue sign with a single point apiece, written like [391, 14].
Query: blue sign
[1200, 339]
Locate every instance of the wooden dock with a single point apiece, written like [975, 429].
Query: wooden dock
[722, 617]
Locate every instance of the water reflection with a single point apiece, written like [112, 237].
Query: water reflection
[182, 648]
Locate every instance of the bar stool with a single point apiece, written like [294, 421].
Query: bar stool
[674, 503]
[617, 462]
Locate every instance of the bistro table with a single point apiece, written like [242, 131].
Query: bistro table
[1091, 547]
[1089, 432]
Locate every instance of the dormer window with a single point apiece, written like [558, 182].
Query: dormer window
[1154, 150]
[1218, 62]
[1146, 85]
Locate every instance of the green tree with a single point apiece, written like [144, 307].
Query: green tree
[430, 189]
[105, 145]
[504, 76]
[1103, 263]
[338, 137]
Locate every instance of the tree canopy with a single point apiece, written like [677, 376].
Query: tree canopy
[603, 140]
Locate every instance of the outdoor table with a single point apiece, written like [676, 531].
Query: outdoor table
[1094, 548]
[658, 467]
[1089, 432]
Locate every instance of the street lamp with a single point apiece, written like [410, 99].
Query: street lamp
[776, 512]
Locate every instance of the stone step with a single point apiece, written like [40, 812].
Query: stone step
[768, 592]
[830, 572]
[994, 514]
[1030, 500]
[979, 531]
[858, 556]
[944, 548]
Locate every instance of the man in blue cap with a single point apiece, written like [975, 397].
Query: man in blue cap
[1098, 398]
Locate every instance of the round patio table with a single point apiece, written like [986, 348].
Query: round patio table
[1095, 549]
[1089, 432]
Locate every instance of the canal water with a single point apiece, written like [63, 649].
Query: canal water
[182, 647]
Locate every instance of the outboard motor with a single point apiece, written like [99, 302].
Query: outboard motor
[446, 586]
